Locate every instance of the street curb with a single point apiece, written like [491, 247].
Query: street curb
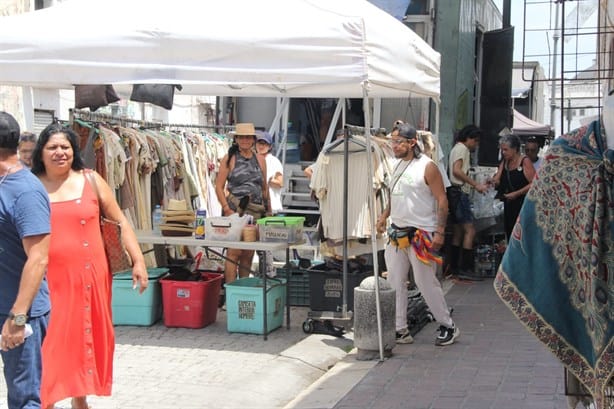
[333, 385]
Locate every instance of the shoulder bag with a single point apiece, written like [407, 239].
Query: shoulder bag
[111, 233]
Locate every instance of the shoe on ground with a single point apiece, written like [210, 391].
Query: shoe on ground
[404, 337]
[447, 336]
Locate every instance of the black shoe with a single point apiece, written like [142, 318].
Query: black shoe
[446, 336]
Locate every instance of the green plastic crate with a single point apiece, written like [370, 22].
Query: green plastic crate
[245, 305]
[286, 229]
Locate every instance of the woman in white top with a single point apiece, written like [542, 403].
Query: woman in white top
[274, 170]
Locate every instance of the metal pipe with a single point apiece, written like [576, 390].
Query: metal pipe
[371, 171]
[555, 38]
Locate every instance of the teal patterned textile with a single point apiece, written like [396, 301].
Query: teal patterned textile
[557, 274]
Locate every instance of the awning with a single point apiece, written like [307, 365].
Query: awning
[526, 126]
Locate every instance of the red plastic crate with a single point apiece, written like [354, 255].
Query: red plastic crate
[191, 304]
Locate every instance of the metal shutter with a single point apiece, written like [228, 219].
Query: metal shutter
[42, 118]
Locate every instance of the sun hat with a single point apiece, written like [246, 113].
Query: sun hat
[174, 204]
[264, 136]
[245, 129]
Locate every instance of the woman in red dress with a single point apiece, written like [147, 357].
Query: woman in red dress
[78, 349]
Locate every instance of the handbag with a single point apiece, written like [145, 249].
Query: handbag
[111, 233]
[94, 96]
[158, 94]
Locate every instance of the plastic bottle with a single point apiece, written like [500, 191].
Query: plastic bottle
[156, 219]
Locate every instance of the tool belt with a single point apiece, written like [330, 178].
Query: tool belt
[257, 211]
[401, 237]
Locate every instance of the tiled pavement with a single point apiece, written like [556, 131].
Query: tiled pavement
[496, 364]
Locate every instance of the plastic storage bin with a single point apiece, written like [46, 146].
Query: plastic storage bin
[297, 284]
[225, 228]
[286, 229]
[245, 305]
[131, 308]
[191, 304]
[326, 289]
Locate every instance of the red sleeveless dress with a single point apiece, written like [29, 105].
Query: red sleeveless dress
[80, 342]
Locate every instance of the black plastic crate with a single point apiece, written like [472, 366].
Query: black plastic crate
[326, 289]
[297, 285]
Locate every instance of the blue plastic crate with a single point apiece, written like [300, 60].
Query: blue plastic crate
[131, 308]
[245, 305]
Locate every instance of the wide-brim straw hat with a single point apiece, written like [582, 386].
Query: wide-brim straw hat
[245, 129]
[177, 205]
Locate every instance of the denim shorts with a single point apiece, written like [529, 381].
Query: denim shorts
[460, 206]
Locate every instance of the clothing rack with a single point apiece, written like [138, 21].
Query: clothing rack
[100, 117]
[360, 130]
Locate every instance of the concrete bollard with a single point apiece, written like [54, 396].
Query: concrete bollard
[365, 319]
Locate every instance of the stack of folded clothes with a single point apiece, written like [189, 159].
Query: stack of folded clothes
[177, 220]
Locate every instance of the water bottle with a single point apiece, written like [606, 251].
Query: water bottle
[156, 219]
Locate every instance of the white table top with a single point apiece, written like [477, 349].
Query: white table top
[150, 237]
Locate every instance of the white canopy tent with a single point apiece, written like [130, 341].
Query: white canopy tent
[266, 48]
[298, 48]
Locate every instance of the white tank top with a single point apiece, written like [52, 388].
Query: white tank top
[412, 203]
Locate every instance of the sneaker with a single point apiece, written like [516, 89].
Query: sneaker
[404, 337]
[447, 335]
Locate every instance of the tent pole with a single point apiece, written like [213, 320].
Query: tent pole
[275, 128]
[437, 118]
[371, 172]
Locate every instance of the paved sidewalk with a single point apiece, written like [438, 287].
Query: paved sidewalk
[496, 364]
[168, 368]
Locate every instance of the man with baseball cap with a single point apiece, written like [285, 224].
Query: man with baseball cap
[418, 210]
[24, 295]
